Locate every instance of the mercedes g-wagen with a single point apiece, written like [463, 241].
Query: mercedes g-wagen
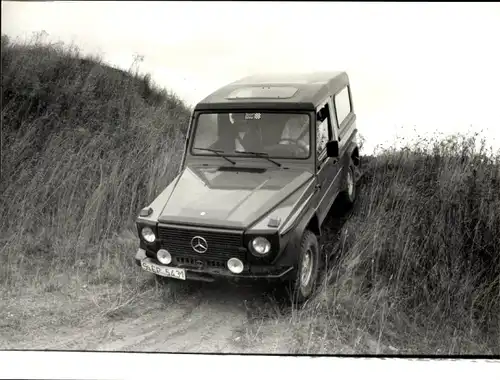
[264, 160]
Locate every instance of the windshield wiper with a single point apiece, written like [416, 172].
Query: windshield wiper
[259, 154]
[217, 152]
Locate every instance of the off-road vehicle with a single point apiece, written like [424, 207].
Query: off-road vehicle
[264, 160]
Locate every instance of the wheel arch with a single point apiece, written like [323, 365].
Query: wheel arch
[309, 220]
[313, 225]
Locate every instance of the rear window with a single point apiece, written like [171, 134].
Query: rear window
[263, 92]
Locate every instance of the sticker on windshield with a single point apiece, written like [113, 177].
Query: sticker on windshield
[252, 116]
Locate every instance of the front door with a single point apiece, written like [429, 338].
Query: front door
[327, 168]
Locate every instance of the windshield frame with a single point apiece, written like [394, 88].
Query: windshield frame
[194, 128]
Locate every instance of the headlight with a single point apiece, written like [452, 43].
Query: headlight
[148, 234]
[261, 246]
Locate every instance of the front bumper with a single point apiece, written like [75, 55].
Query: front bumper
[208, 274]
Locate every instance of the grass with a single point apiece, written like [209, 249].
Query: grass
[417, 263]
[85, 146]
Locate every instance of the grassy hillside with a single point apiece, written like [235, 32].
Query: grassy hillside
[418, 261]
[85, 146]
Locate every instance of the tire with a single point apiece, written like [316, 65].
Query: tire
[303, 284]
[348, 196]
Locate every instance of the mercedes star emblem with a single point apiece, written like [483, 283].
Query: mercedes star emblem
[199, 244]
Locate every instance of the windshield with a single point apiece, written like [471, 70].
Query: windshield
[276, 135]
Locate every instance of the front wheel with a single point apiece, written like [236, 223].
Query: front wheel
[304, 282]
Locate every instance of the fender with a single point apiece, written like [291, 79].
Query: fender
[290, 252]
[304, 221]
[349, 150]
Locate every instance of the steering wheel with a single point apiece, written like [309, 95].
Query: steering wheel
[299, 144]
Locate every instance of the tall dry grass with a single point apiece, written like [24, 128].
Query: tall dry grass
[85, 146]
[417, 265]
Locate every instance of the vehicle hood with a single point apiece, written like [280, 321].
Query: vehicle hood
[229, 197]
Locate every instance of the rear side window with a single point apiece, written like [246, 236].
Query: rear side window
[342, 105]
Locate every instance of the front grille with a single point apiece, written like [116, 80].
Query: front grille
[221, 245]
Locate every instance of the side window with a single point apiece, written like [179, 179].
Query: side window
[322, 129]
[342, 105]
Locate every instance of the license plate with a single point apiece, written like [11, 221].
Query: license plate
[164, 271]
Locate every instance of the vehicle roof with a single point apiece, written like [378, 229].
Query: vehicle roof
[311, 88]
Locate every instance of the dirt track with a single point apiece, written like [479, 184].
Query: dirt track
[196, 317]
[209, 319]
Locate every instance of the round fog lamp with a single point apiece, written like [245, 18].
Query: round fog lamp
[235, 265]
[164, 256]
[261, 246]
[148, 234]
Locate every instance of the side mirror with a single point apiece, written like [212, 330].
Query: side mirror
[332, 149]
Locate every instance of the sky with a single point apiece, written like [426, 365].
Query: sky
[415, 68]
